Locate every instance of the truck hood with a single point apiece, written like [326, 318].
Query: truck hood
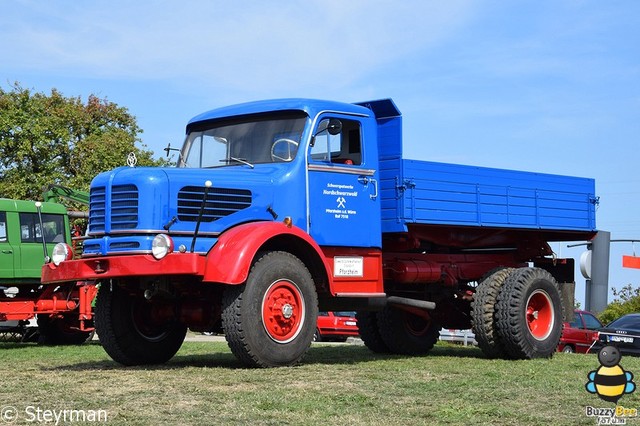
[147, 199]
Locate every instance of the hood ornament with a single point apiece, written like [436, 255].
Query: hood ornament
[132, 160]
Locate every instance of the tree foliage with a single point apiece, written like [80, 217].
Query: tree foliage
[46, 139]
[627, 301]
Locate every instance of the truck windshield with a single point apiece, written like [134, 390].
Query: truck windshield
[249, 140]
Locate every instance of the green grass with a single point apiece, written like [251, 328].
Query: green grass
[336, 384]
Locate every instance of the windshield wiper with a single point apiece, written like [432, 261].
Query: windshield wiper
[238, 160]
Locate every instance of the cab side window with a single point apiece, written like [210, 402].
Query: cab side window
[344, 148]
[31, 232]
[3, 227]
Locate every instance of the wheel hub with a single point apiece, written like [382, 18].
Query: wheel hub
[283, 311]
[539, 314]
[287, 311]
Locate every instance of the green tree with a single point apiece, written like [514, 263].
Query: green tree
[627, 300]
[47, 139]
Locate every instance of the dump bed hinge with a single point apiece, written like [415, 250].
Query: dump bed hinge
[406, 184]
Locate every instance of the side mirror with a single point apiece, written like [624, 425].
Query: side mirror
[332, 125]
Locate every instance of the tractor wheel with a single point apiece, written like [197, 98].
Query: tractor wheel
[483, 318]
[568, 349]
[529, 313]
[406, 333]
[270, 320]
[61, 331]
[131, 331]
[369, 332]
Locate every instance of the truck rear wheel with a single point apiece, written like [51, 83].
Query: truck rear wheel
[405, 333]
[483, 308]
[131, 332]
[369, 332]
[270, 320]
[529, 313]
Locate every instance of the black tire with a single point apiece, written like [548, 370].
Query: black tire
[317, 337]
[270, 320]
[483, 309]
[61, 331]
[568, 349]
[369, 332]
[529, 313]
[128, 331]
[405, 333]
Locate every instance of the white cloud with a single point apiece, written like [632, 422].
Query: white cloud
[250, 45]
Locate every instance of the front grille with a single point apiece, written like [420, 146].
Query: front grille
[97, 209]
[125, 245]
[221, 202]
[91, 247]
[123, 208]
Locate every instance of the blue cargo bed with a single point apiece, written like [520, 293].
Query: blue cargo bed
[430, 193]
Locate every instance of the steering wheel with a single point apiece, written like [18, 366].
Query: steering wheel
[289, 143]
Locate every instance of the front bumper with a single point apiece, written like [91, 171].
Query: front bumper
[100, 268]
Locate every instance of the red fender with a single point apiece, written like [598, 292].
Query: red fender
[230, 259]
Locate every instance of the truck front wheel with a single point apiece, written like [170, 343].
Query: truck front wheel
[130, 329]
[529, 313]
[270, 320]
[406, 333]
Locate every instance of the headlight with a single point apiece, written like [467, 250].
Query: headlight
[60, 253]
[161, 246]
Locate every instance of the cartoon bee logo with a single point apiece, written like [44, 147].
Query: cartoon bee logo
[610, 381]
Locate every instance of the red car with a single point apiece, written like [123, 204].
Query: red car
[579, 334]
[336, 326]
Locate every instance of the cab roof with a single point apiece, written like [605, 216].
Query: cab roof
[311, 107]
[22, 206]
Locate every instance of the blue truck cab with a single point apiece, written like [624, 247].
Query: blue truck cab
[264, 163]
[276, 208]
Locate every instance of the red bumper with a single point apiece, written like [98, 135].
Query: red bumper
[123, 266]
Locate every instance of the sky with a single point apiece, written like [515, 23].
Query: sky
[543, 86]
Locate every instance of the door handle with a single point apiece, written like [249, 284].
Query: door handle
[7, 251]
[365, 180]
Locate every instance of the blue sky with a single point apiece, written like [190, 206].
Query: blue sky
[547, 86]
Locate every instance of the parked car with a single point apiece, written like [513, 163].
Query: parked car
[579, 334]
[623, 333]
[337, 326]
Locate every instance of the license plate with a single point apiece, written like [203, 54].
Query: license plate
[621, 339]
[350, 322]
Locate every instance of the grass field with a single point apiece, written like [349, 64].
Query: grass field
[336, 384]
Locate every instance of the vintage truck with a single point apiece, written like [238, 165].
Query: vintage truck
[279, 208]
[29, 310]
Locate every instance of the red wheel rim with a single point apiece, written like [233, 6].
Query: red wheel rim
[540, 315]
[283, 311]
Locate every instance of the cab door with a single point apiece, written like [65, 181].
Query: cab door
[343, 193]
[32, 232]
[7, 255]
